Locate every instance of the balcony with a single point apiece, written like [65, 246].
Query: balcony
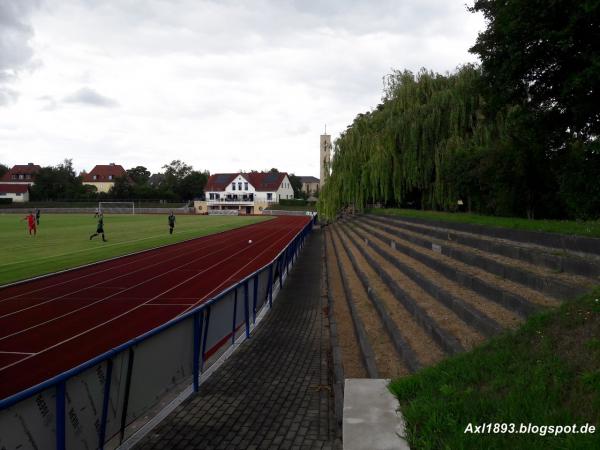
[231, 201]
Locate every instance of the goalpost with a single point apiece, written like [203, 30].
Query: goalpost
[117, 207]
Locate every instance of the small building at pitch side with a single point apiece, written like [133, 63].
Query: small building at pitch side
[17, 192]
[246, 193]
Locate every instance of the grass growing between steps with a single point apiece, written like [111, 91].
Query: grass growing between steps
[579, 228]
[545, 373]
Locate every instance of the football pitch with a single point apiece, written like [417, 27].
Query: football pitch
[62, 240]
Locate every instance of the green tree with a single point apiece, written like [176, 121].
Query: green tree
[192, 185]
[297, 186]
[3, 170]
[122, 189]
[545, 55]
[140, 175]
[58, 183]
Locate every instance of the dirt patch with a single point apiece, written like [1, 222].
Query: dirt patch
[351, 357]
[504, 316]
[427, 351]
[388, 361]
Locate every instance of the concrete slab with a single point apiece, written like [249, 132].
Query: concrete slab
[371, 417]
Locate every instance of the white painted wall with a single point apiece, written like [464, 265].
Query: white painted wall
[17, 197]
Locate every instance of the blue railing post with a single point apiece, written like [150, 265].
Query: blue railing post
[196, 361]
[255, 289]
[234, 316]
[246, 309]
[105, 400]
[131, 355]
[270, 285]
[280, 266]
[60, 416]
[205, 336]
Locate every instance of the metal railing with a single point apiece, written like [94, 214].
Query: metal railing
[94, 404]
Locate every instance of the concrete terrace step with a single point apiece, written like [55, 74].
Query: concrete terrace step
[557, 285]
[583, 261]
[563, 242]
[513, 296]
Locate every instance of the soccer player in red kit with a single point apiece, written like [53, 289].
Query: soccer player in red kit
[31, 223]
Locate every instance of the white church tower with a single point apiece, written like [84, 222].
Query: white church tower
[325, 153]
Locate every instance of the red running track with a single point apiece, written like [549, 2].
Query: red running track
[55, 323]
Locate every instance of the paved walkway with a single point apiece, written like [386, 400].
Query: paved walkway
[275, 391]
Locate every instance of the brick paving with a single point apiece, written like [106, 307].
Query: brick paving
[275, 391]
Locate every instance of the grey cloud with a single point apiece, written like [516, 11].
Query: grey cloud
[88, 96]
[15, 52]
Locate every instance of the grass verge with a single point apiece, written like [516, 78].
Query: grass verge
[546, 373]
[579, 228]
[62, 240]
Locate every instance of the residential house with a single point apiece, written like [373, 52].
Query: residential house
[21, 174]
[104, 176]
[18, 192]
[248, 193]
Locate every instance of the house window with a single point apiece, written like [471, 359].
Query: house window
[233, 186]
[110, 177]
[95, 177]
[211, 196]
[27, 176]
[18, 194]
[269, 196]
[21, 176]
[245, 186]
[217, 196]
[240, 186]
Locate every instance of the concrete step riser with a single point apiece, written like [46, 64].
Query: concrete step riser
[445, 340]
[553, 241]
[553, 288]
[400, 344]
[506, 299]
[472, 316]
[363, 340]
[336, 352]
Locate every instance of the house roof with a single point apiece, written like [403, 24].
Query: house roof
[219, 181]
[102, 173]
[261, 181]
[309, 179]
[22, 169]
[7, 188]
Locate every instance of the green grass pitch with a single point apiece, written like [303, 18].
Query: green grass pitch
[62, 240]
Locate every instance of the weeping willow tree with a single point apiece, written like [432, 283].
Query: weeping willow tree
[408, 147]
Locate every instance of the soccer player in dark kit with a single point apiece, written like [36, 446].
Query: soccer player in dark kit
[99, 228]
[37, 216]
[171, 222]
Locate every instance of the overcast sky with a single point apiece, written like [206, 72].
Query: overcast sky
[222, 85]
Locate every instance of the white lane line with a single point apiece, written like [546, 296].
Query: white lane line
[70, 293]
[167, 248]
[134, 286]
[230, 278]
[15, 353]
[168, 304]
[127, 312]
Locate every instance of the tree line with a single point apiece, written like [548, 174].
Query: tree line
[178, 181]
[515, 135]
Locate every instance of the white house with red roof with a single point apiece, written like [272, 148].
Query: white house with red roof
[18, 192]
[104, 176]
[248, 193]
[21, 174]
